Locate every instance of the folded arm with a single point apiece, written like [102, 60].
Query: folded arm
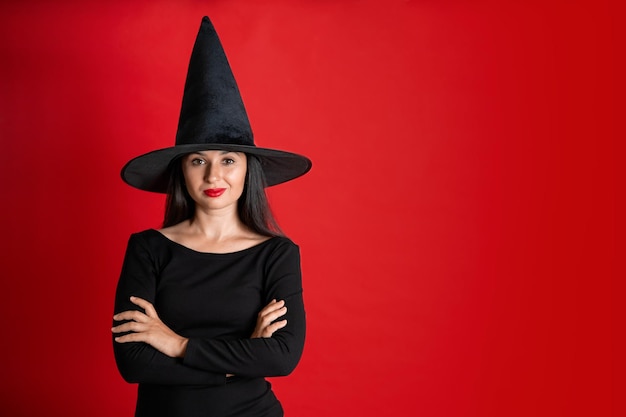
[139, 362]
[145, 342]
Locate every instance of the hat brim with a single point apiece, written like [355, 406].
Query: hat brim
[150, 171]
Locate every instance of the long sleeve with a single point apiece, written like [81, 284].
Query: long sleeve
[275, 356]
[140, 362]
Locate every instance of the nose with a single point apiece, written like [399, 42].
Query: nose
[212, 173]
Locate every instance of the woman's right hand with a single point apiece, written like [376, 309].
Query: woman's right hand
[265, 324]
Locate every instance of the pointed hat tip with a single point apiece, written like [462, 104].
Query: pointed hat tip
[212, 117]
[206, 21]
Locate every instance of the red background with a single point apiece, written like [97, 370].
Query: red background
[457, 228]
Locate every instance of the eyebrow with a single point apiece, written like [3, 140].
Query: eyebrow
[222, 152]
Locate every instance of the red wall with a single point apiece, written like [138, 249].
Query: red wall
[457, 228]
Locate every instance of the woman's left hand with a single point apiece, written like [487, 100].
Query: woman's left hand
[266, 324]
[148, 328]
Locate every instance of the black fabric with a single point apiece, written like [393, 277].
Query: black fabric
[212, 117]
[212, 109]
[213, 299]
[150, 172]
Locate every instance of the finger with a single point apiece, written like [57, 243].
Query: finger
[131, 326]
[131, 315]
[272, 302]
[270, 317]
[131, 337]
[273, 305]
[146, 305]
[269, 330]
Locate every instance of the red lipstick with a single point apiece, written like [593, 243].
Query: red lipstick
[214, 192]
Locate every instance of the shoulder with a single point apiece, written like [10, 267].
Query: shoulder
[282, 251]
[282, 270]
[266, 244]
[145, 241]
[144, 236]
[176, 229]
[282, 243]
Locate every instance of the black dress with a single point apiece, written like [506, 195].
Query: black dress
[212, 299]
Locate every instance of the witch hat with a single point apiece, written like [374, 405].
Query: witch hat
[212, 117]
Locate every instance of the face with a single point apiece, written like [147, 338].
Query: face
[215, 179]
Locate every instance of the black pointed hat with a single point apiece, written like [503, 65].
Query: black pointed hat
[212, 117]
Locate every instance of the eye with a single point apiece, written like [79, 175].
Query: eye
[197, 161]
[228, 161]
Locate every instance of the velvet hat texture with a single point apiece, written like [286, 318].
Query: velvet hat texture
[212, 117]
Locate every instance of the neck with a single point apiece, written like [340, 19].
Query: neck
[216, 224]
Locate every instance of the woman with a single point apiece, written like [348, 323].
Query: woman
[210, 304]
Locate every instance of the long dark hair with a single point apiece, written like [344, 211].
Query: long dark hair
[253, 207]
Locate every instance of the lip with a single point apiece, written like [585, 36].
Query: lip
[214, 192]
